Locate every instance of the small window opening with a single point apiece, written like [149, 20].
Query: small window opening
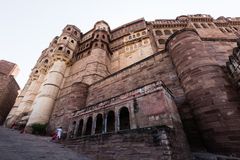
[68, 52]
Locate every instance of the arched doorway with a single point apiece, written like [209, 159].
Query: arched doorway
[80, 128]
[99, 124]
[124, 118]
[110, 121]
[89, 126]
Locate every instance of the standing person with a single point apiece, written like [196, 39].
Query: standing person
[59, 132]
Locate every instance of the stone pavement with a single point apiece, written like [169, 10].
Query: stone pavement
[16, 146]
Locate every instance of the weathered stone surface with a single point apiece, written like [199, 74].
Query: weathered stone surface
[145, 143]
[8, 88]
[16, 146]
[109, 81]
[208, 91]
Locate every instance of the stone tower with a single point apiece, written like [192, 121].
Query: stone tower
[213, 100]
[61, 57]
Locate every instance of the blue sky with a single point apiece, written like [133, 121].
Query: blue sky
[28, 26]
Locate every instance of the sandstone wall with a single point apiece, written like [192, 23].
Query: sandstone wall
[156, 67]
[67, 104]
[146, 143]
[212, 99]
[8, 93]
[153, 68]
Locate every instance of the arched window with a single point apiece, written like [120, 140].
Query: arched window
[110, 121]
[158, 32]
[161, 41]
[89, 126]
[88, 53]
[124, 118]
[46, 61]
[102, 45]
[167, 32]
[196, 25]
[99, 124]
[174, 30]
[235, 28]
[204, 25]
[60, 48]
[69, 29]
[229, 30]
[211, 25]
[97, 36]
[103, 36]
[223, 30]
[64, 37]
[72, 41]
[80, 128]
[68, 52]
[75, 32]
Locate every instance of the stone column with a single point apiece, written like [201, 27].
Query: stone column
[94, 119]
[105, 123]
[117, 120]
[132, 117]
[44, 102]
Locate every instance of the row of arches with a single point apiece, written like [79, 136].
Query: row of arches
[102, 123]
[165, 32]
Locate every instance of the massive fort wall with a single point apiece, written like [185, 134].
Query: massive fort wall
[85, 71]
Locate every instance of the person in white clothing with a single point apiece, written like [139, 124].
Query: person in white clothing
[59, 133]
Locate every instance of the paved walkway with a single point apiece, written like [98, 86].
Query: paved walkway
[16, 146]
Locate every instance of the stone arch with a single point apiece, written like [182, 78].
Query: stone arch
[124, 119]
[110, 121]
[99, 124]
[88, 130]
[80, 128]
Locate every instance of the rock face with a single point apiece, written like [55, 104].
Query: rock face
[143, 74]
[8, 88]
